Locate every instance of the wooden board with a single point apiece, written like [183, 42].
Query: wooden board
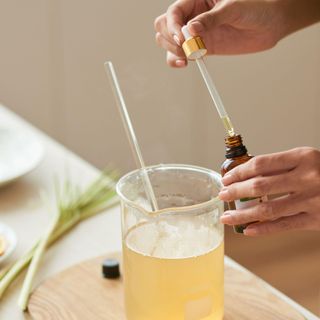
[81, 293]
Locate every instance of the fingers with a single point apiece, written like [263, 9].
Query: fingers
[263, 165]
[223, 12]
[170, 23]
[177, 14]
[175, 55]
[301, 221]
[181, 11]
[175, 61]
[160, 25]
[168, 27]
[270, 210]
[169, 46]
[260, 186]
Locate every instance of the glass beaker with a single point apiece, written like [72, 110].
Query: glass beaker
[173, 258]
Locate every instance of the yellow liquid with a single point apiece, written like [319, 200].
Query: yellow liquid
[228, 126]
[184, 288]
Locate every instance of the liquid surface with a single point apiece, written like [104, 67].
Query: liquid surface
[173, 271]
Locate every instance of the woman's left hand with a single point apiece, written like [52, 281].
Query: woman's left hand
[294, 173]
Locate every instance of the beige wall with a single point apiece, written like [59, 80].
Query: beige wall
[51, 72]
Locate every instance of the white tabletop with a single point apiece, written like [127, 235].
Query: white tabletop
[23, 210]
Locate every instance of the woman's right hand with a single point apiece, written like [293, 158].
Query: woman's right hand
[231, 26]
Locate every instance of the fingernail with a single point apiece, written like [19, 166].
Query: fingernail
[176, 40]
[196, 27]
[227, 179]
[250, 231]
[224, 194]
[226, 218]
[180, 63]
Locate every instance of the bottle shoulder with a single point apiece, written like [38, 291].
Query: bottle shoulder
[229, 164]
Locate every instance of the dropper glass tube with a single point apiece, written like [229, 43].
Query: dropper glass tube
[194, 49]
[215, 97]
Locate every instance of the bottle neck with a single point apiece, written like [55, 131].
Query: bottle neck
[234, 147]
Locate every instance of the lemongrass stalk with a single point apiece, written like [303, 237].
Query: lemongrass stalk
[73, 207]
[15, 270]
[90, 213]
[23, 262]
[97, 204]
[34, 265]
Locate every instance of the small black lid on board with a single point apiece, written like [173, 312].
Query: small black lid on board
[111, 269]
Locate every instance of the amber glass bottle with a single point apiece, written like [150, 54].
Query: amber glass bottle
[236, 154]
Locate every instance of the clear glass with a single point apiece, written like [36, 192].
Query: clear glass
[173, 258]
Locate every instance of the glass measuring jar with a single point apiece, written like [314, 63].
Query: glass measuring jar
[173, 258]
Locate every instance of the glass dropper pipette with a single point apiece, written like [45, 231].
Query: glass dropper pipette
[195, 49]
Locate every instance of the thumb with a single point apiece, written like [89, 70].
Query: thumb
[209, 20]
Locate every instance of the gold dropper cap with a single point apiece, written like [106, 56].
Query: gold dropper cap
[193, 47]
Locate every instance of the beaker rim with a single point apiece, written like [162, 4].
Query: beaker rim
[215, 175]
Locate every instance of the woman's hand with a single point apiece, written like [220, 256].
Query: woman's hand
[232, 26]
[227, 27]
[294, 173]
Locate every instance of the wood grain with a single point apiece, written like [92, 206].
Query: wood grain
[288, 261]
[80, 293]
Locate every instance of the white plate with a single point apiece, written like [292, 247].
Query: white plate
[20, 152]
[11, 241]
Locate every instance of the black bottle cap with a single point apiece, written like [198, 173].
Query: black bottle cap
[111, 269]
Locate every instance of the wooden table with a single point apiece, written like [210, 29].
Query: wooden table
[22, 209]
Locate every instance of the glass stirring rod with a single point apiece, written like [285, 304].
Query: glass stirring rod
[131, 134]
[195, 50]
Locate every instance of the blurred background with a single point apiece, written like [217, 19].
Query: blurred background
[52, 55]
